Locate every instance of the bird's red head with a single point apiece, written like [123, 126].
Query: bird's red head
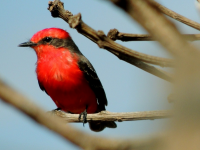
[46, 41]
[51, 33]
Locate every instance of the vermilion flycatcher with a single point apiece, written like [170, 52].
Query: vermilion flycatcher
[67, 76]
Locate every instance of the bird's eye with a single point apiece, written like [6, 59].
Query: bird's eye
[47, 39]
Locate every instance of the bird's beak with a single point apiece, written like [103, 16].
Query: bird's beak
[27, 44]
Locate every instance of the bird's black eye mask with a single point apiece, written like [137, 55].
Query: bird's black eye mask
[45, 41]
[56, 42]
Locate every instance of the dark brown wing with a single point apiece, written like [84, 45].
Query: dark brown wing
[94, 82]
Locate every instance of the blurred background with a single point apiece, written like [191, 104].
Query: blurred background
[128, 88]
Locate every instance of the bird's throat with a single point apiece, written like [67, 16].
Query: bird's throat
[58, 67]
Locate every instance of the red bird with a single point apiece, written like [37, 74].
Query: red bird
[67, 76]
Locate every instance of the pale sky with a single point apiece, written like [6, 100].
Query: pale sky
[128, 88]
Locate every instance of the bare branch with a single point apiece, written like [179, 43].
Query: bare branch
[177, 16]
[114, 34]
[135, 58]
[110, 116]
[100, 38]
[160, 26]
[12, 97]
[81, 139]
[148, 68]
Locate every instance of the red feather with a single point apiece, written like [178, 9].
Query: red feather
[57, 70]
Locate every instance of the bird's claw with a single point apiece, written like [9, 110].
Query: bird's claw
[84, 113]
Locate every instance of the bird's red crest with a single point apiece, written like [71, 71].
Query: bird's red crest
[51, 32]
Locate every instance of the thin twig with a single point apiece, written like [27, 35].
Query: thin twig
[123, 53]
[177, 16]
[114, 34]
[173, 41]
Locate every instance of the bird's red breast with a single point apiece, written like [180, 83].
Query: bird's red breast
[57, 70]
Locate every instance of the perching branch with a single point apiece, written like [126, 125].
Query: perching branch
[133, 57]
[81, 139]
[177, 16]
[110, 116]
[114, 34]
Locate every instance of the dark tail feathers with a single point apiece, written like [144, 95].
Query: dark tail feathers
[98, 126]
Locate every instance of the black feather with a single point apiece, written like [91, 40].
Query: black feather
[94, 82]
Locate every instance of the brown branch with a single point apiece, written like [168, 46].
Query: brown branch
[160, 26]
[114, 34]
[148, 68]
[135, 58]
[177, 16]
[110, 116]
[57, 10]
[81, 139]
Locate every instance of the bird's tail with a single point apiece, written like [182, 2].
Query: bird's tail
[98, 126]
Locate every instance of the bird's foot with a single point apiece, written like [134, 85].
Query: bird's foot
[84, 113]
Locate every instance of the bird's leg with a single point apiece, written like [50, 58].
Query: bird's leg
[84, 113]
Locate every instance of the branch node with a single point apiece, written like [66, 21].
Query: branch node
[74, 21]
[101, 34]
[120, 36]
[100, 44]
[112, 34]
[105, 42]
[54, 7]
[69, 14]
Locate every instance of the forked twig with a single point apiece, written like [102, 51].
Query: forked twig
[114, 34]
[123, 53]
